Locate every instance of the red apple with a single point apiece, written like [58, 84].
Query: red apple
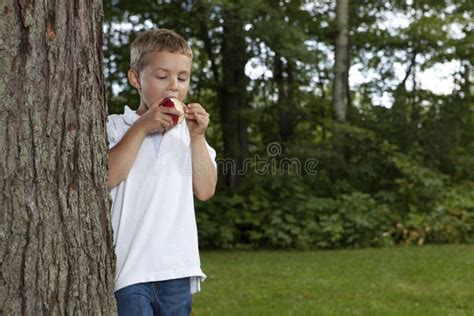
[171, 102]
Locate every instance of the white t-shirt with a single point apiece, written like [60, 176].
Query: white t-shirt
[155, 233]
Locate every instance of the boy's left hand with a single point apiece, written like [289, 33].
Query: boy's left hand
[197, 119]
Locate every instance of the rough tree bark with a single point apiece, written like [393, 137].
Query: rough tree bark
[340, 90]
[56, 242]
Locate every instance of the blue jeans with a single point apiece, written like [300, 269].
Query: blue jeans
[164, 298]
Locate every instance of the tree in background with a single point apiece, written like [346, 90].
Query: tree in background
[232, 97]
[56, 249]
[340, 90]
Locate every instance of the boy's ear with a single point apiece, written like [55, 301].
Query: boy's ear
[134, 78]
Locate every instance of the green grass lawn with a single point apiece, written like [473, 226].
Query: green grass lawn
[428, 280]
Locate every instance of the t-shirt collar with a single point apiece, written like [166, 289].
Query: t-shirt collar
[130, 116]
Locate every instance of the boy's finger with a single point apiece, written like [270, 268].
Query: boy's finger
[198, 111]
[194, 106]
[170, 111]
[168, 119]
[167, 124]
[191, 114]
[164, 119]
[198, 118]
[156, 103]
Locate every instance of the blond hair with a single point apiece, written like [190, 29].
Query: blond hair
[156, 40]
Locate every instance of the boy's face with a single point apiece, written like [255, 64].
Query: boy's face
[164, 75]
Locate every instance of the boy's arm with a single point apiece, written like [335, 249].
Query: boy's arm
[204, 171]
[123, 155]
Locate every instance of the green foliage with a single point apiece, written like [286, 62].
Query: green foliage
[451, 221]
[377, 197]
[417, 187]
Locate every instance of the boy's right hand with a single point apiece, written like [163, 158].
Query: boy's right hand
[157, 119]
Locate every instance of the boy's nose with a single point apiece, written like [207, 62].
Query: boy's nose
[173, 85]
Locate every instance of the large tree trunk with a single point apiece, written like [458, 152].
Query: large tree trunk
[232, 94]
[340, 90]
[56, 241]
[284, 79]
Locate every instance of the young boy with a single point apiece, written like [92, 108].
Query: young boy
[154, 169]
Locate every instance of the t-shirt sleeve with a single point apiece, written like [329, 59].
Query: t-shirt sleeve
[212, 154]
[112, 134]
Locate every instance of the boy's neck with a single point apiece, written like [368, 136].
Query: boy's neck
[142, 108]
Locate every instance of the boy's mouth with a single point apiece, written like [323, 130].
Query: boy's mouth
[172, 102]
